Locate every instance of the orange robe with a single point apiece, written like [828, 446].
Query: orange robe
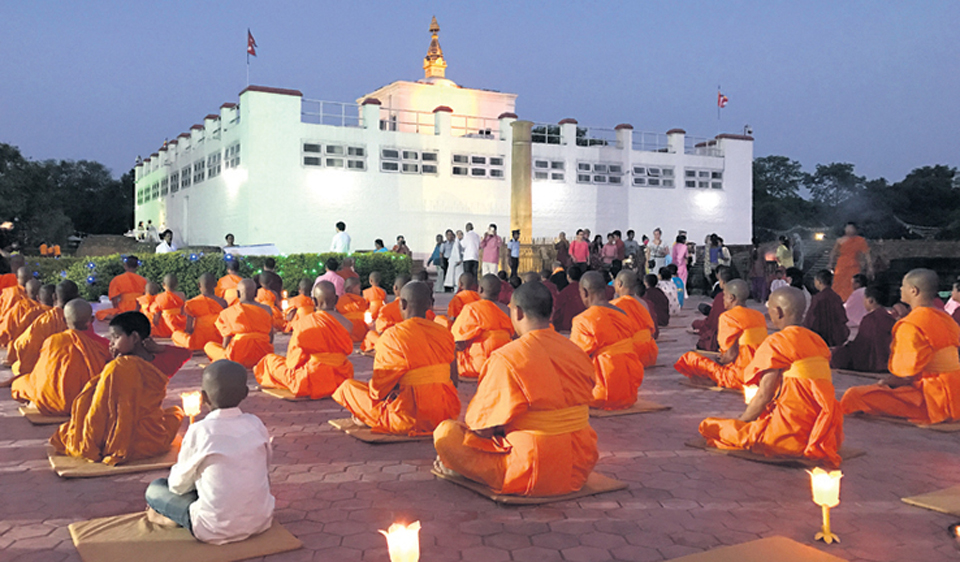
[353, 307]
[389, 315]
[376, 298]
[805, 419]
[119, 416]
[67, 362]
[305, 306]
[18, 319]
[250, 325]
[128, 286]
[925, 344]
[606, 335]
[269, 298]
[643, 341]
[27, 347]
[204, 311]
[9, 297]
[537, 389]
[460, 300]
[740, 325]
[485, 328]
[170, 307]
[316, 361]
[226, 288]
[411, 391]
[848, 265]
[8, 280]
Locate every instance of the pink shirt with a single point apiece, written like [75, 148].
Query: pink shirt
[333, 277]
[491, 249]
[579, 251]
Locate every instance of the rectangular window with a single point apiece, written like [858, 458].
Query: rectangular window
[389, 166]
[478, 172]
[717, 185]
[334, 149]
[716, 175]
[557, 165]
[460, 159]
[460, 171]
[615, 168]
[164, 186]
[640, 181]
[213, 165]
[639, 171]
[540, 175]
[311, 161]
[232, 158]
[199, 171]
[653, 172]
[600, 168]
[667, 183]
[478, 160]
[556, 176]
[691, 183]
[703, 184]
[653, 182]
[496, 161]
[356, 151]
[334, 162]
[541, 164]
[584, 167]
[599, 179]
[429, 157]
[411, 155]
[668, 172]
[429, 168]
[390, 154]
[311, 147]
[704, 174]
[496, 173]
[614, 179]
[174, 182]
[691, 173]
[359, 165]
[411, 168]
[185, 177]
[583, 178]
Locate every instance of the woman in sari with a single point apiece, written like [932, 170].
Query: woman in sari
[678, 257]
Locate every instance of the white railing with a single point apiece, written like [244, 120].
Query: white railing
[650, 142]
[701, 146]
[407, 121]
[335, 113]
[597, 136]
[474, 127]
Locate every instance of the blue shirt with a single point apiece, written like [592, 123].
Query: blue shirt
[514, 247]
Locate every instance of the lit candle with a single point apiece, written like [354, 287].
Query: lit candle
[403, 542]
[368, 317]
[826, 493]
[191, 403]
[749, 392]
[284, 304]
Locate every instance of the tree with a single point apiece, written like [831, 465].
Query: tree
[832, 184]
[776, 177]
[777, 205]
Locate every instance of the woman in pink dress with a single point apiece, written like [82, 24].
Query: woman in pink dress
[678, 257]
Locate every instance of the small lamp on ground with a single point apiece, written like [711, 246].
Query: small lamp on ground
[368, 317]
[403, 542]
[826, 493]
[191, 403]
[749, 392]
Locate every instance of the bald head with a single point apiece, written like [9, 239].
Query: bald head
[78, 314]
[416, 298]
[399, 282]
[530, 277]
[47, 295]
[15, 262]
[66, 292]
[490, 286]
[786, 307]
[326, 295]
[207, 283]
[247, 289]
[738, 290]
[467, 282]
[170, 282]
[152, 288]
[23, 275]
[304, 287]
[33, 288]
[224, 384]
[592, 282]
[534, 299]
[925, 284]
[352, 285]
[626, 283]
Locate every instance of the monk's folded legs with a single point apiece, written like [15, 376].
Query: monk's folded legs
[696, 366]
[272, 372]
[648, 354]
[485, 467]
[355, 397]
[215, 351]
[725, 433]
[903, 402]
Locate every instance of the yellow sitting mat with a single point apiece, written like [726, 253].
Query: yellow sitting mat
[865, 374]
[122, 538]
[34, 416]
[639, 407]
[365, 434]
[72, 467]
[283, 394]
[687, 382]
[943, 501]
[779, 549]
[846, 453]
[944, 427]
[596, 484]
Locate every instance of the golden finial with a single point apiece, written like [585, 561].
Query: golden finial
[433, 64]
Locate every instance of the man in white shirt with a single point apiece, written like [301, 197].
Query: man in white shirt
[471, 250]
[331, 275]
[219, 490]
[341, 240]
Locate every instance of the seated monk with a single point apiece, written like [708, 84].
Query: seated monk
[741, 330]
[925, 383]
[46, 298]
[67, 362]
[412, 389]
[869, 351]
[554, 291]
[347, 271]
[374, 295]
[124, 290]
[14, 293]
[119, 416]
[316, 361]
[26, 348]
[168, 309]
[625, 287]
[301, 305]
[659, 303]
[795, 412]
[246, 327]
[388, 316]
[145, 301]
[353, 306]
[605, 333]
[22, 313]
[506, 289]
[527, 429]
[270, 280]
[201, 314]
[826, 315]
[569, 303]
[481, 328]
[13, 263]
[466, 293]
[708, 327]
[271, 299]
[227, 285]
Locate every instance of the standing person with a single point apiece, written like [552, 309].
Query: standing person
[679, 254]
[341, 240]
[471, 250]
[596, 248]
[490, 245]
[711, 258]
[230, 239]
[631, 249]
[166, 243]
[621, 253]
[846, 257]
[658, 250]
[784, 255]
[797, 244]
[758, 273]
[562, 246]
[454, 261]
[445, 250]
[608, 253]
[579, 251]
[401, 247]
[436, 259]
[514, 246]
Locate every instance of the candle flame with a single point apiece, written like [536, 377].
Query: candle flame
[825, 486]
[191, 402]
[368, 317]
[403, 542]
[749, 392]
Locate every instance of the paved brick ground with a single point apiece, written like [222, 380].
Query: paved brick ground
[334, 492]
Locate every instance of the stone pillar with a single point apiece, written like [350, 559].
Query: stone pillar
[441, 120]
[370, 113]
[521, 191]
[675, 141]
[568, 131]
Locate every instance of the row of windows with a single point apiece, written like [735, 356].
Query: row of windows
[190, 174]
[315, 155]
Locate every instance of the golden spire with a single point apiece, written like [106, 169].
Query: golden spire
[433, 64]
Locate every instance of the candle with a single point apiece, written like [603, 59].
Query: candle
[403, 542]
[749, 392]
[368, 317]
[826, 493]
[191, 403]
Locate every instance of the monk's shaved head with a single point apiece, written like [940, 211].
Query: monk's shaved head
[233, 265]
[416, 298]
[15, 262]
[399, 282]
[490, 286]
[131, 263]
[592, 282]
[468, 281]
[23, 275]
[224, 384]
[629, 280]
[325, 294]
[152, 288]
[304, 287]
[47, 295]
[33, 288]
[207, 282]
[351, 285]
[534, 299]
[170, 281]
[78, 314]
[66, 292]
[925, 281]
[247, 289]
[530, 277]
[738, 289]
[374, 278]
[790, 301]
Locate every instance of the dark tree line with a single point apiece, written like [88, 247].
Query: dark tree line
[50, 200]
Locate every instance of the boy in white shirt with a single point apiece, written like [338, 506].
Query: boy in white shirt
[219, 490]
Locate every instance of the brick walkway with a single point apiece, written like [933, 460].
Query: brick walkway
[334, 492]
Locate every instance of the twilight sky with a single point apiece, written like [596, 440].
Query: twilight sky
[872, 83]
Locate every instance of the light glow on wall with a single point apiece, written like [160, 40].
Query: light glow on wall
[233, 178]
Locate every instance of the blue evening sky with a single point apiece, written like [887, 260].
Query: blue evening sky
[871, 83]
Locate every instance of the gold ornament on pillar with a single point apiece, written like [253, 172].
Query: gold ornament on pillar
[433, 64]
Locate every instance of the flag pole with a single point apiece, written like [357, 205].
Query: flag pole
[719, 93]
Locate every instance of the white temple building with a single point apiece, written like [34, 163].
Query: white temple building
[417, 158]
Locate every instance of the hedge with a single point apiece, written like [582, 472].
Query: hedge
[93, 274]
